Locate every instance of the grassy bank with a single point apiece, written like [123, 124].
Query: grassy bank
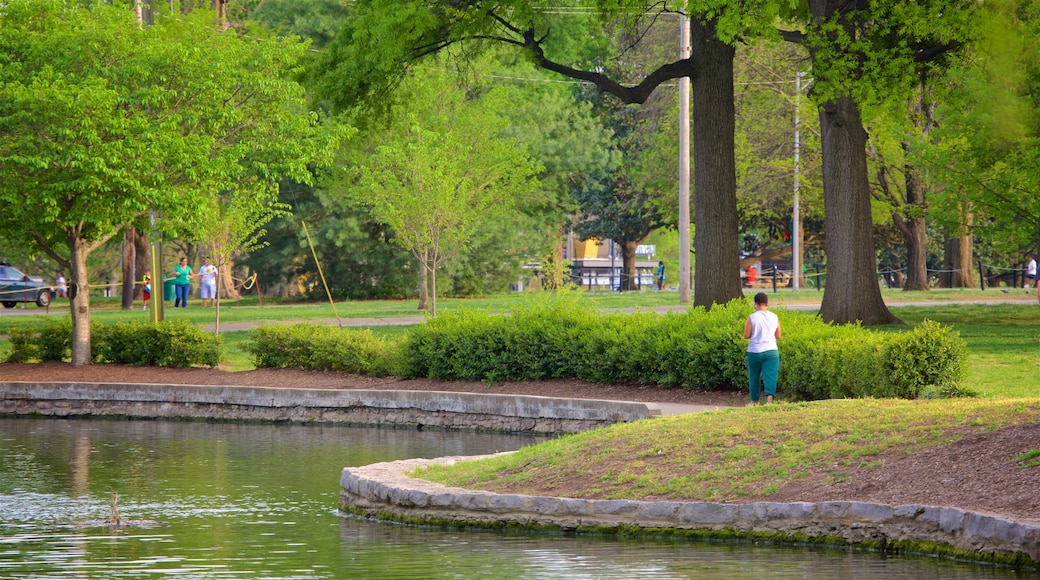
[736, 454]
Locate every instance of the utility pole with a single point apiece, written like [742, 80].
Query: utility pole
[796, 217]
[684, 167]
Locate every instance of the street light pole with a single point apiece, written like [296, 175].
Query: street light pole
[684, 167]
[796, 217]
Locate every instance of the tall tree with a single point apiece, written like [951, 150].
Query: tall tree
[989, 127]
[862, 53]
[902, 178]
[619, 202]
[441, 169]
[386, 36]
[776, 158]
[102, 121]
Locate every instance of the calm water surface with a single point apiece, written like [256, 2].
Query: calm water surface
[221, 501]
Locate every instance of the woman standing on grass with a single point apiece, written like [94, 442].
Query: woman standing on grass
[182, 283]
[763, 357]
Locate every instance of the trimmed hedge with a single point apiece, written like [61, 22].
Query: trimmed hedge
[318, 347]
[167, 344]
[563, 336]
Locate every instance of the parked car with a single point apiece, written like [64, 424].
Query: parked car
[17, 287]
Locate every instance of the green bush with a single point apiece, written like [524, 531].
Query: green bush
[538, 340]
[24, 346]
[561, 336]
[182, 344]
[52, 342]
[324, 348]
[176, 344]
[929, 357]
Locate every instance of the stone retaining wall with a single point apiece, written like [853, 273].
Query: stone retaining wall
[509, 413]
[383, 490]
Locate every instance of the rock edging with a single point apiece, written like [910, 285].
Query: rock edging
[383, 490]
[447, 410]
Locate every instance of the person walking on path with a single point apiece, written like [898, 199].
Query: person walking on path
[1030, 271]
[762, 329]
[208, 287]
[182, 276]
[63, 289]
[660, 275]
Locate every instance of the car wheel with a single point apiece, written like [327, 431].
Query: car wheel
[9, 304]
[44, 299]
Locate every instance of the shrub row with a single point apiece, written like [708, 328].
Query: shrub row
[167, 344]
[318, 347]
[562, 337]
[559, 336]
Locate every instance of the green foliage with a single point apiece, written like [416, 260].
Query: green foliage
[51, 341]
[545, 338]
[322, 348]
[442, 170]
[562, 336]
[167, 344]
[821, 361]
[1028, 459]
[103, 121]
[927, 356]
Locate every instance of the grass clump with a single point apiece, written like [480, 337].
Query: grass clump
[1029, 458]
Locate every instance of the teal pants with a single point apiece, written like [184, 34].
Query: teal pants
[763, 367]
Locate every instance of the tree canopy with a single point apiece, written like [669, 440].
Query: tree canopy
[441, 169]
[103, 121]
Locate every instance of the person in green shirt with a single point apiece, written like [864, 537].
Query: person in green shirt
[182, 276]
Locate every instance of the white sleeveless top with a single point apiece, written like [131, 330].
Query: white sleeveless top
[763, 331]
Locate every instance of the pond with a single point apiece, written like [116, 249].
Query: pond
[235, 500]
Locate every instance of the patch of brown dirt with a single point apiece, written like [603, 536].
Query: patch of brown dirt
[979, 473]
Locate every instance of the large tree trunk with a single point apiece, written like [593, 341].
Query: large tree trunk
[957, 257]
[226, 281]
[916, 202]
[852, 292]
[79, 305]
[629, 278]
[717, 275]
[914, 232]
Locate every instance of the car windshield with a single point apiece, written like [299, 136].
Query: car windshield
[9, 273]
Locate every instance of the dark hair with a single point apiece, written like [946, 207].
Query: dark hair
[762, 298]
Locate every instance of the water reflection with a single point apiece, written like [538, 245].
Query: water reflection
[258, 501]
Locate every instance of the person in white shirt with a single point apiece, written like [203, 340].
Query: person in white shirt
[1030, 272]
[762, 329]
[208, 287]
[63, 290]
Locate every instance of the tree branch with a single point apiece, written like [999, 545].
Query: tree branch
[930, 53]
[637, 94]
[792, 36]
